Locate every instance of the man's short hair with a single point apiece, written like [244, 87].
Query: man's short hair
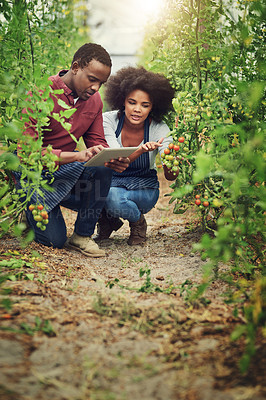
[92, 51]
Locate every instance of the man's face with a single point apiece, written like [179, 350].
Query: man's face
[87, 80]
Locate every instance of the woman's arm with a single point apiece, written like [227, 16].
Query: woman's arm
[145, 147]
[110, 121]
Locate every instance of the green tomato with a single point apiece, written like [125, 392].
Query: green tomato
[228, 213]
[217, 202]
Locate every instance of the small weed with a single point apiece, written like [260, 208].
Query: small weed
[40, 326]
[137, 260]
[99, 305]
[186, 289]
[124, 262]
[6, 303]
[147, 287]
[18, 263]
[69, 272]
[74, 286]
[127, 261]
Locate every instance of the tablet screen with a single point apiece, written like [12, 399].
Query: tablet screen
[109, 154]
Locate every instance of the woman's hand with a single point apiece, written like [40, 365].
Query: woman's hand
[150, 146]
[118, 165]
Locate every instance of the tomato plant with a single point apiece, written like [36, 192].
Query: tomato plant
[37, 40]
[219, 112]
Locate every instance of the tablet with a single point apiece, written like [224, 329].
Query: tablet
[108, 154]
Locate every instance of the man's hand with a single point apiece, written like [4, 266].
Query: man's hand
[81, 156]
[118, 165]
[85, 155]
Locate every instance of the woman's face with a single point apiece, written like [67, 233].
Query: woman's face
[138, 105]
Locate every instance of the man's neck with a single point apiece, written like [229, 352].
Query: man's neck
[66, 78]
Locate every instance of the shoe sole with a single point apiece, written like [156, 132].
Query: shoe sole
[68, 245]
[137, 244]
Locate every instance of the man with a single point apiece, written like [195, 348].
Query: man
[75, 186]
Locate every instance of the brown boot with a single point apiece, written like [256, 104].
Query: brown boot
[106, 225]
[137, 231]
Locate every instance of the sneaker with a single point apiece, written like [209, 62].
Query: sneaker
[85, 245]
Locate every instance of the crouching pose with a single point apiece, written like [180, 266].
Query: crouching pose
[82, 189]
[139, 100]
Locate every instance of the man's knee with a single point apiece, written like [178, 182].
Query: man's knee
[50, 240]
[54, 235]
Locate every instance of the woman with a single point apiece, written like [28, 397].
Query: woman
[139, 99]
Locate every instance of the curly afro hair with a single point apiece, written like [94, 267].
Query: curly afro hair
[92, 51]
[128, 79]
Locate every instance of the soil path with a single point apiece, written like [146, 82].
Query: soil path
[94, 329]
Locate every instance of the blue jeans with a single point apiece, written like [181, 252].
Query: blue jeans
[129, 204]
[87, 197]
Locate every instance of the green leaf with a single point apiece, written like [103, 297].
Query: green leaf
[62, 104]
[204, 164]
[29, 277]
[10, 161]
[238, 332]
[68, 113]
[12, 278]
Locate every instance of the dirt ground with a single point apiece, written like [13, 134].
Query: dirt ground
[94, 329]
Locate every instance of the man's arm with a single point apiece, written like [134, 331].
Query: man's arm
[67, 157]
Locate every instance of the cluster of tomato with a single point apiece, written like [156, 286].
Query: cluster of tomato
[170, 156]
[39, 215]
[204, 201]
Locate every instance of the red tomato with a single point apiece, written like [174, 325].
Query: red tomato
[171, 145]
[166, 151]
[176, 147]
[205, 203]
[40, 207]
[6, 316]
[44, 214]
[181, 139]
[197, 202]
[197, 196]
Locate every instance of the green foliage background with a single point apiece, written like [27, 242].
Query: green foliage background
[37, 39]
[213, 53]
